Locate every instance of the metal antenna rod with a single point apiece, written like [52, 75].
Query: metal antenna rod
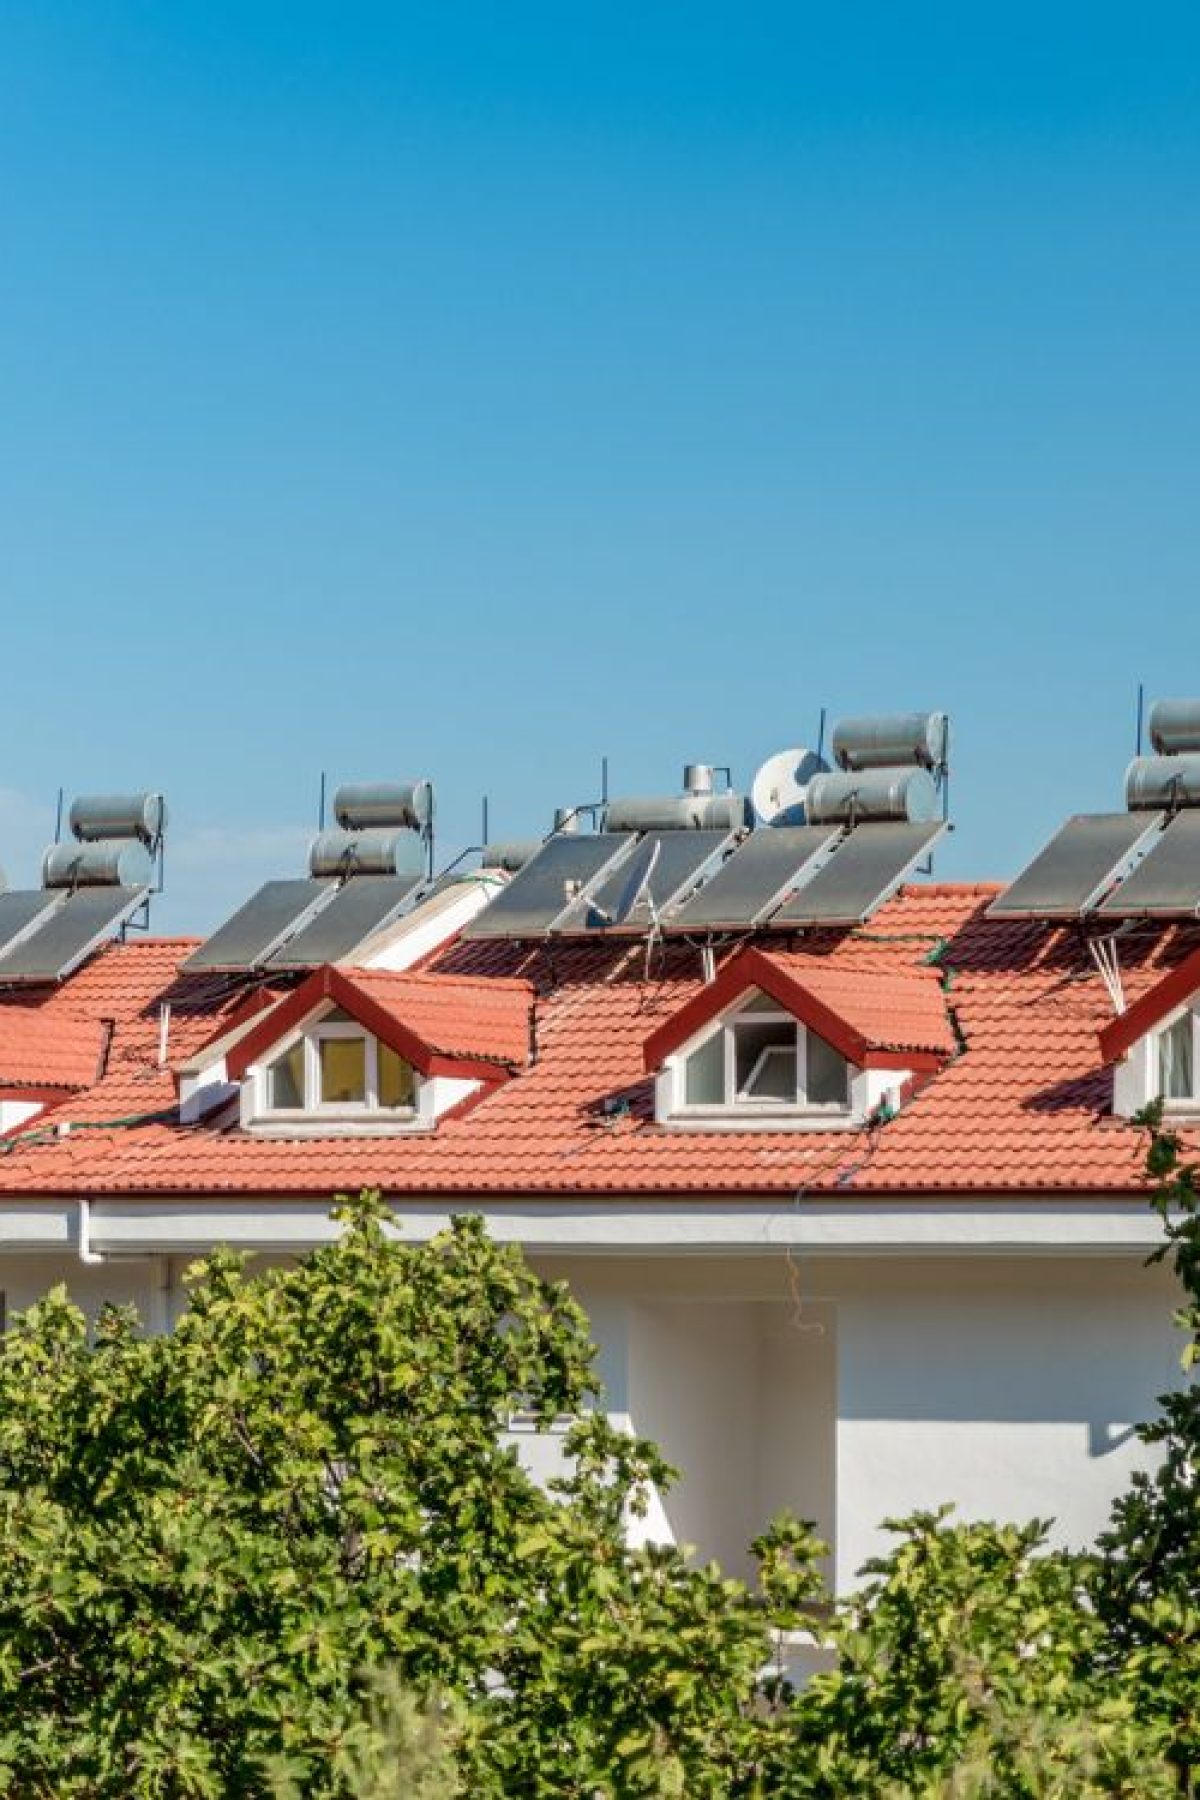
[321, 806]
[1141, 713]
[604, 779]
[58, 817]
[483, 835]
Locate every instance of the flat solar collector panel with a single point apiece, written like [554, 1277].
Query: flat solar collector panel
[69, 933]
[682, 858]
[1166, 883]
[275, 913]
[865, 870]
[1077, 867]
[542, 891]
[20, 912]
[358, 908]
[761, 871]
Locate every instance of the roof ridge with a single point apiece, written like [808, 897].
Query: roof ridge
[434, 978]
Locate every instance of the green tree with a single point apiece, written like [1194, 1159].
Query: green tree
[1147, 1586]
[968, 1665]
[210, 1541]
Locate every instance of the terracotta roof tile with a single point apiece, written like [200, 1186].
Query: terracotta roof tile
[457, 1015]
[41, 1052]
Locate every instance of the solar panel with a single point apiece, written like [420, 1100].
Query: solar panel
[69, 933]
[765, 867]
[21, 910]
[1077, 867]
[539, 893]
[865, 870]
[1166, 883]
[682, 858]
[361, 906]
[246, 940]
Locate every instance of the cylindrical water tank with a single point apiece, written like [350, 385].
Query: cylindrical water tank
[116, 862]
[847, 795]
[892, 741]
[96, 816]
[566, 818]
[384, 805]
[697, 778]
[509, 854]
[683, 812]
[367, 853]
[1175, 726]
[1152, 782]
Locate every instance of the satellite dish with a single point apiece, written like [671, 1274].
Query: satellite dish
[778, 791]
[637, 879]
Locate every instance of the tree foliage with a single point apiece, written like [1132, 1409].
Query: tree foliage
[287, 1551]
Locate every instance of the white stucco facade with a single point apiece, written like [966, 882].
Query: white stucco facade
[851, 1362]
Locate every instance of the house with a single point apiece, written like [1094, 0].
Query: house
[854, 1200]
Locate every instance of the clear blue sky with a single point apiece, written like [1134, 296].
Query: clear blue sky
[473, 389]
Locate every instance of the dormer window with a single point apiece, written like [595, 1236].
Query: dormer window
[757, 1064]
[336, 1069]
[793, 1043]
[332, 1074]
[1154, 1059]
[761, 1057]
[366, 1052]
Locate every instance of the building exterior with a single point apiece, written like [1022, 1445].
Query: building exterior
[857, 1214]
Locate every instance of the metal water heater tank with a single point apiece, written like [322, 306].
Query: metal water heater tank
[337, 853]
[892, 740]
[677, 812]
[115, 862]
[96, 816]
[844, 796]
[1174, 726]
[1154, 782]
[386, 805]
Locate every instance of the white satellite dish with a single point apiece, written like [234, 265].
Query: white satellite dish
[778, 791]
[636, 885]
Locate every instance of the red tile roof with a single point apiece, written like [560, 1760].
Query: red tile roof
[443, 1024]
[1024, 1107]
[38, 1052]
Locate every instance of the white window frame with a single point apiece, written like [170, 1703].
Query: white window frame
[1184, 1105]
[317, 1115]
[741, 1109]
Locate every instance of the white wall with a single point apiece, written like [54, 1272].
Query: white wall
[1009, 1387]
[1006, 1384]
[141, 1282]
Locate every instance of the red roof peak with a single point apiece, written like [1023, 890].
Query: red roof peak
[871, 1016]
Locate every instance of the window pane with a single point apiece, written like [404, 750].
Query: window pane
[828, 1074]
[396, 1082]
[774, 1075]
[765, 1061]
[704, 1073]
[285, 1079]
[1176, 1070]
[343, 1064]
